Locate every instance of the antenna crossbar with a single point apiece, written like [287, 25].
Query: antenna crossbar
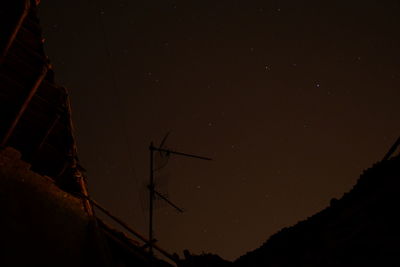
[168, 201]
[178, 153]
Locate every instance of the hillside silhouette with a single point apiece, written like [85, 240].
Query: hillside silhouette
[359, 229]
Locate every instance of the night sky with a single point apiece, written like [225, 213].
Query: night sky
[292, 100]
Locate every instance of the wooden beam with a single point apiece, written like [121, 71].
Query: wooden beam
[83, 185]
[17, 27]
[78, 173]
[22, 109]
[48, 132]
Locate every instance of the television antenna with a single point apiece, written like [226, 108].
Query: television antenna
[151, 186]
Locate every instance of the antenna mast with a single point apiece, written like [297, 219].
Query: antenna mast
[153, 192]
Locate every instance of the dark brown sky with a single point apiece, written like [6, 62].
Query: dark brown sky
[293, 99]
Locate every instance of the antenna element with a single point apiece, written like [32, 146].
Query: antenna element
[151, 186]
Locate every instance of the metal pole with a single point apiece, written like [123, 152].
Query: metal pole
[151, 186]
[151, 195]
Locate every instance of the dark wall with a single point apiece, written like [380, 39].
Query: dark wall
[40, 224]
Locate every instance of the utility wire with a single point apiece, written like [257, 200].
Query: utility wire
[117, 95]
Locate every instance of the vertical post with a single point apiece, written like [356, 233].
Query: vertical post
[75, 164]
[151, 195]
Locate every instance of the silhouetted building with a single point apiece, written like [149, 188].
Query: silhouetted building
[46, 214]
